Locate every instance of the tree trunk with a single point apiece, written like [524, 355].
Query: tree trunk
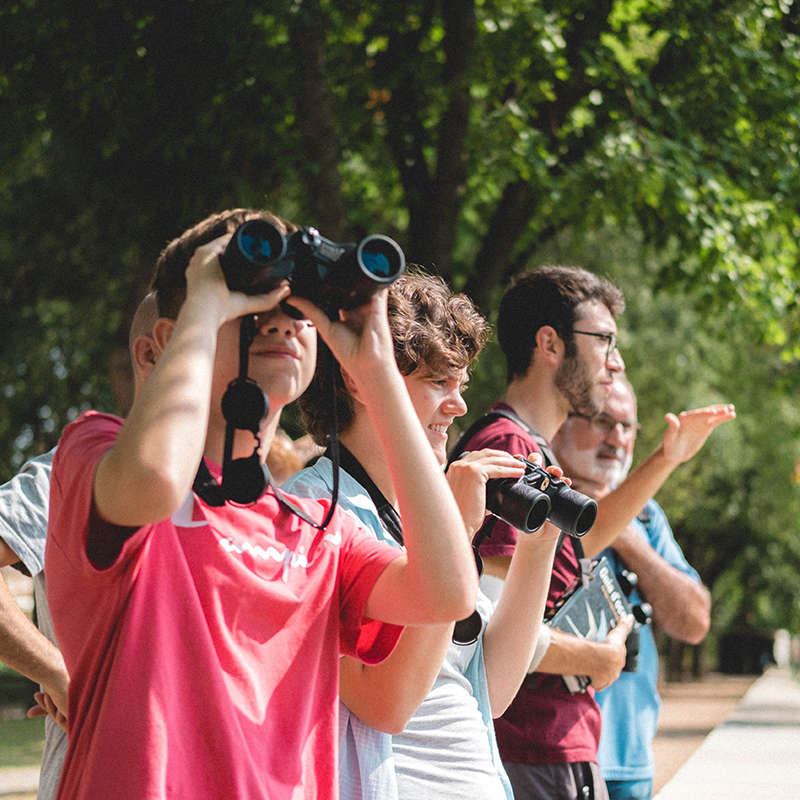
[315, 119]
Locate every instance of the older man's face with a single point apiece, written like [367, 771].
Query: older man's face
[600, 450]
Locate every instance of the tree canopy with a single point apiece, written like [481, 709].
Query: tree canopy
[653, 140]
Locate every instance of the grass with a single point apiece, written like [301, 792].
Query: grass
[21, 739]
[21, 742]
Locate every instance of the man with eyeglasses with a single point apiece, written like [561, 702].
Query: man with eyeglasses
[597, 451]
[557, 329]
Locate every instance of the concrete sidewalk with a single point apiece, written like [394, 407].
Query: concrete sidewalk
[753, 754]
[19, 782]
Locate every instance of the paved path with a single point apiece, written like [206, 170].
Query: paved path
[689, 712]
[19, 783]
[754, 754]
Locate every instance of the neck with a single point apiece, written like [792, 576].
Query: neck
[537, 401]
[360, 439]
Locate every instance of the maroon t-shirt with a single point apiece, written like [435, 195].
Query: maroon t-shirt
[545, 724]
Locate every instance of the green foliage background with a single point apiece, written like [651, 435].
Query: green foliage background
[654, 141]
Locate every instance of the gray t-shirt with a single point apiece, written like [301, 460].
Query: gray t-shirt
[24, 505]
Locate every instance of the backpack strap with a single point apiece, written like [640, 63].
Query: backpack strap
[492, 416]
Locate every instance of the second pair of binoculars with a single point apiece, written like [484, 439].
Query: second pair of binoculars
[333, 276]
[525, 503]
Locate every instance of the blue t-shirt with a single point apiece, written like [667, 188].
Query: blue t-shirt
[630, 706]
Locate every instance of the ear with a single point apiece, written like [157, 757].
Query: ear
[162, 331]
[144, 355]
[549, 345]
[350, 385]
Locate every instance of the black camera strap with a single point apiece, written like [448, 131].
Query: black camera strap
[215, 494]
[387, 513]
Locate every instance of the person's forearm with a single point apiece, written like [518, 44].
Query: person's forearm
[512, 632]
[29, 652]
[569, 655]
[150, 469]
[385, 696]
[440, 573]
[681, 605]
[616, 510]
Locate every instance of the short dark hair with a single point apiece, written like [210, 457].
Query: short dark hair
[543, 296]
[169, 282]
[431, 326]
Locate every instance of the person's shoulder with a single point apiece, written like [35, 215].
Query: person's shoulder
[92, 431]
[90, 422]
[503, 430]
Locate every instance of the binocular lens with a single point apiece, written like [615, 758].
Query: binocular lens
[261, 241]
[381, 258]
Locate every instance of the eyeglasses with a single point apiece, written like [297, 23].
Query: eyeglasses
[605, 423]
[609, 338]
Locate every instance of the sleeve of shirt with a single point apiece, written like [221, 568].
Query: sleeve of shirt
[506, 436]
[83, 444]
[24, 504]
[362, 561]
[663, 541]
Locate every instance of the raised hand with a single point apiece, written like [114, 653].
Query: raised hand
[687, 432]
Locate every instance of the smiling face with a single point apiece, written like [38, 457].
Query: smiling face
[589, 455]
[585, 378]
[437, 399]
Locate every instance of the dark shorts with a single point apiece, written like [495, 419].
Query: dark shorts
[578, 781]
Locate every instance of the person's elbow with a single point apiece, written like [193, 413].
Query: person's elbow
[699, 621]
[458, 600]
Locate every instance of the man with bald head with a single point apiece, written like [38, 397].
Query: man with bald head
[596, 452]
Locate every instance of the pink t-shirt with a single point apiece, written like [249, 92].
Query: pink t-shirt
[204, 660]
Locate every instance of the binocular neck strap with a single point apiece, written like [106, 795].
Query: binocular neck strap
[213, 494]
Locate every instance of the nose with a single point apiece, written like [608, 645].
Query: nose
[455, 403]
[277, 321]
[615, 362]
[616, 436]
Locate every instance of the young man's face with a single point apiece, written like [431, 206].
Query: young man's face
[282, 356]
[585, 379]
[587, 452]
[437, 400]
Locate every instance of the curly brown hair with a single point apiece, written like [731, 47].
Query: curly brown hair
[169, 282]
[431, 327]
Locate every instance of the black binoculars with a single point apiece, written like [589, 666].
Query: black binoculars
[526, 502]
[333, 276]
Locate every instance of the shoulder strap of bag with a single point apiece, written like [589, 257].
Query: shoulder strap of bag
[386, 511]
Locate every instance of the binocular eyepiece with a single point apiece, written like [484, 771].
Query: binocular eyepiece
[333, 276]
[526, 502]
